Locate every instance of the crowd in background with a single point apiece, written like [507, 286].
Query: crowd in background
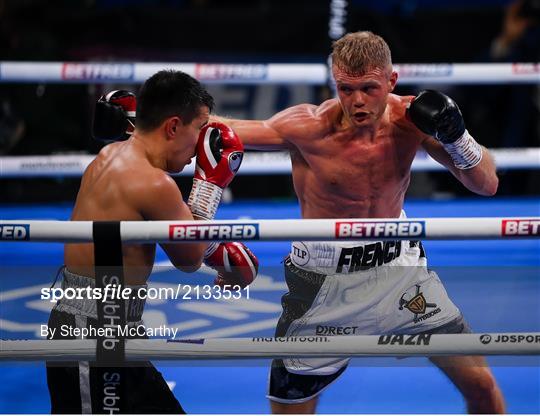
[56, 118]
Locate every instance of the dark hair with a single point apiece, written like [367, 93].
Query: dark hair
[170, 93]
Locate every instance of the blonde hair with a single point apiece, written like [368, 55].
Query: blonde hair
[358, 52]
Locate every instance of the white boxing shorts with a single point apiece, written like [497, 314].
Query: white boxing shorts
[354, 288]
[363, 287]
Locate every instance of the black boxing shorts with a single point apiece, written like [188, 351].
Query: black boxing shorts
[74, 386]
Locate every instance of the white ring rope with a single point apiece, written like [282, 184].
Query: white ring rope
[315, 74]
[280, 230]
[254, 163]
[299, 346]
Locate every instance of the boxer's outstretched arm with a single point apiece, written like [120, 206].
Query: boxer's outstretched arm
[276, 133]
[481, 179]
[255, 134]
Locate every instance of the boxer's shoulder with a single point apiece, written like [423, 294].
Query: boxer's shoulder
[306, 121]
[118, 166]
[397, 108]
[325, 117]
[398, 104]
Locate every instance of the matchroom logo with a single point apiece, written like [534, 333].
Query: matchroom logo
[520, 227]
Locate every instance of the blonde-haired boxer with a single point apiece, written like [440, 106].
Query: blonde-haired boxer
[351, 158]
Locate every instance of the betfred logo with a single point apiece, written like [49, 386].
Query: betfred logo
[214, 232]
[525, 68]
[353, 229]
[209, 72]
[14, 231]
[89, 71]
[424, 70]
[520, 228]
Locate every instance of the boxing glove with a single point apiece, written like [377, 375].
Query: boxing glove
[234, 262]
[219, 154]
[114, 116]
[438, 115]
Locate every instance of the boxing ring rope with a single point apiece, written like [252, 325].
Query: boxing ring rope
[269, 73]
[279, 230]
[258, 162]
[254, 163]
[295, 346]
[289, 347]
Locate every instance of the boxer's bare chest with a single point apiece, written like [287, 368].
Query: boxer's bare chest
[343, 174]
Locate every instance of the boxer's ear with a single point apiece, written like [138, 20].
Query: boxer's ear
[171, 126]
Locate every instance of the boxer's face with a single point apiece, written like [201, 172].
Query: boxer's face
[185, 140]
[364, 97]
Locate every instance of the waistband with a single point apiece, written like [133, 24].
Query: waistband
[331, 257]
[306, 275]
[87, 306]
[346, 256]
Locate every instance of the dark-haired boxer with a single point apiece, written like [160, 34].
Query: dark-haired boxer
[351, 158]
[129, 180]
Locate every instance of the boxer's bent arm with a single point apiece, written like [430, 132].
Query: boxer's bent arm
[481, 179]
[162, 200]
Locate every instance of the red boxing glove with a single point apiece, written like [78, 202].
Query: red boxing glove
[114, 116]
[234, 262]
[219, 155]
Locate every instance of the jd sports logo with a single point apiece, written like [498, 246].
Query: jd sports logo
[418, 305]
[485, 339]
[512, 338]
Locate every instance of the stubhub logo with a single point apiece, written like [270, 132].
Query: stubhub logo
[14, 231]
[214, 232]
[355, 229]
[524, 227]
